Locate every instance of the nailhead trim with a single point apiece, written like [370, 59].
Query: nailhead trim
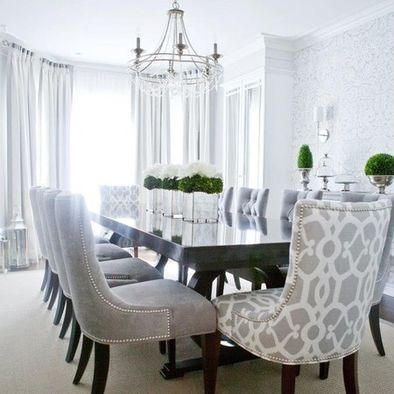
[126, 310]
[117, 276]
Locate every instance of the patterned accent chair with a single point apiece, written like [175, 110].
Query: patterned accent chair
[252, 201]
[321, 312]
[143, 312]
[384, 267]
[120, 201]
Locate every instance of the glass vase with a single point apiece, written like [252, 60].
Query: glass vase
[154, 201]
[172, 203]
[200, 207]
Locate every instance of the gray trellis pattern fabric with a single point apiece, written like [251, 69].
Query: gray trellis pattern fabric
[252, 201]
[119, 201]
[386, 263]
[321, 312]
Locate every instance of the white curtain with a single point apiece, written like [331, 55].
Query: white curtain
[103, 139]
[21, 138]
[198, 126]
[152, 122]
[55, 95]
[3, 138]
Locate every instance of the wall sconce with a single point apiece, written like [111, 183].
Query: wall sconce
[319, 117]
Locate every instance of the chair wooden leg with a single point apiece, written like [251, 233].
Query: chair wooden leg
[220, 284]
[101, 365]
[46, 276]
[135, 250]
[289, 374]
[55, 289]
[171, 350]
[162, 347]
[67, 318]
[237, 282]
[298, 370]
[210, 359]
[350, 373]
[49, 287]
[87, 345]
[374, 324]
[61, 302]
[323, 370]
[74, 340]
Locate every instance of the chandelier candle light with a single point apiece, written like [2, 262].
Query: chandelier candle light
[175, 66]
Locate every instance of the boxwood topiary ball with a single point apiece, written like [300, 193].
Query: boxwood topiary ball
[380, 164]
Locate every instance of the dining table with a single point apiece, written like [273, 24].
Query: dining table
[207, 250]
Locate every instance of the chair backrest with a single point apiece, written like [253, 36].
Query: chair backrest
[334, 258]
[37, 218]
[92, 298]
[226, 199]
[290, 197]
[252, 201]
[54, 241]
[118, 201]
[387, 259]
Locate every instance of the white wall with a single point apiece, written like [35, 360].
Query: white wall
[354, 72]
[276, 67]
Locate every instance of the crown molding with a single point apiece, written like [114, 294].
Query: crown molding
[293, 44]
[344, 24]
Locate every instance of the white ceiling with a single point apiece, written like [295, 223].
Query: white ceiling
[104, 31]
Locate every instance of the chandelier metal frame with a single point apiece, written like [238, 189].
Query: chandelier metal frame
[175, 66]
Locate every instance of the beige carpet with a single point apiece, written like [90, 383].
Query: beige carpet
[32, 357]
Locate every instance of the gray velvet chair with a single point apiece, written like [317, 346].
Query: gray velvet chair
[321, 313]
[384, 267]
[142, 312]
[117, 272]
[252, 201]
[226, 199]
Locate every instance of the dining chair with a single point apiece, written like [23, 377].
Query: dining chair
[384, 267]
[37, 225]
[226, 199]
[120, 201]
[117, 273]
[252, 201]
[142, 312]
[321, 312]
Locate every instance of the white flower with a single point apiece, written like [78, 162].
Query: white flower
[171, 171]
[154, 171]
[200, 168]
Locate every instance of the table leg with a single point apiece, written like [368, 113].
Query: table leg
[161, 263]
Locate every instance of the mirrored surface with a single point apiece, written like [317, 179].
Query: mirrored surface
[231, 229]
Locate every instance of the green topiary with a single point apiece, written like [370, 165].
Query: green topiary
[198, 183]
[305, 158]
[151, 182]
[170, 183]
[380, 164]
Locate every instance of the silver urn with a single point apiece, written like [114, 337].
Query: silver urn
[381, 181]
[305, 178]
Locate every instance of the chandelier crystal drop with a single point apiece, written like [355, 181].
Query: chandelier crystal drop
[175, 67]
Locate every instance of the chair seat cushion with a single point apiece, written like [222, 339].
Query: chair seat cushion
[110, 251]
[191, 313]
[256, 305]
[129, 269]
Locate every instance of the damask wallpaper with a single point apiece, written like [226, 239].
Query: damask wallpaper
[354, 74]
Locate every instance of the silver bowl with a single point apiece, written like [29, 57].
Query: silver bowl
[381, 181]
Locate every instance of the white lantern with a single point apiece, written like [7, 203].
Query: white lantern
[17, 244]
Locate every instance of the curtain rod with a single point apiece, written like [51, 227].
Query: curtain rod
[9, 44]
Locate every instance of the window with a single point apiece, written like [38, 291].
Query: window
[244, 148]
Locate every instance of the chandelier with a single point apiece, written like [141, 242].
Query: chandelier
[175, 66]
